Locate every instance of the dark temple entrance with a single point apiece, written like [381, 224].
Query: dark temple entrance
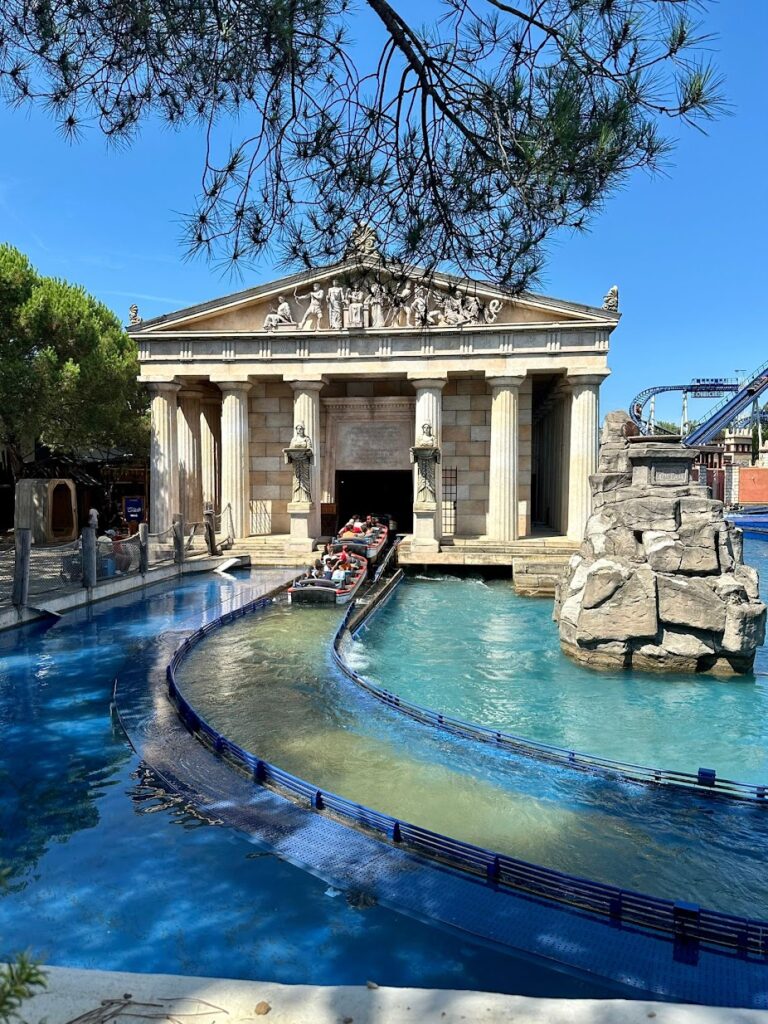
[379, 492]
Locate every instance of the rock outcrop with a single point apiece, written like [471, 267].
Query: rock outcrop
[659, 582]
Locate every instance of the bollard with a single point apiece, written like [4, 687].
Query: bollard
[210, 532]
[20, 592]
[178, 539]
[88, 540]
[143, 548]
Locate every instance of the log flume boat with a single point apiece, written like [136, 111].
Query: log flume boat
[321, 591]
[370, 545]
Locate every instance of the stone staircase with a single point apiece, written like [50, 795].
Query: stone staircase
[271, 550]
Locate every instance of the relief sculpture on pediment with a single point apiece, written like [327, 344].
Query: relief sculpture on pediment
[360, 303]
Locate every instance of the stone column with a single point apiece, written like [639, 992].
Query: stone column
[163, 457]
[428, 515]
[210, 450]
[502, 477]
[190, 478]
[305, 515]
[582, 459]
[235, 456]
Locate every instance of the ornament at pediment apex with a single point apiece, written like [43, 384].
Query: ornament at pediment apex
[611, 300]
[133, 315]
[363, 241]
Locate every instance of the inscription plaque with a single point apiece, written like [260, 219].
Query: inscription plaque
[373, 444]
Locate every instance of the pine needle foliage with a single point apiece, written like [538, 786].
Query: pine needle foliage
[467, 141]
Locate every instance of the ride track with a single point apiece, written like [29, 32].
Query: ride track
[644, 942]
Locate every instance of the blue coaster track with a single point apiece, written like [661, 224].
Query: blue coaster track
[736, 397]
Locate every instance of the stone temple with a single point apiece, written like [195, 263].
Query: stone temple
[363, 355]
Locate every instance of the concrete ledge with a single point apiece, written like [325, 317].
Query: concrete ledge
[72, 993]
[57, 602]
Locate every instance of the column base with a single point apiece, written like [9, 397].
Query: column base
[424, 527]
[302, 514]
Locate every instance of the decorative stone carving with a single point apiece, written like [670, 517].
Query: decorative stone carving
[314, 311]
[363, 241]
[354, 302]
[492, 310]
[611, 300]
[133, 315]
[659, 583]
[335, 306]
[376, 304]
[282, 315]
[299, 454]
[425, 455]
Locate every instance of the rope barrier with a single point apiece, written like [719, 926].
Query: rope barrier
[705, 779]
[682, 922]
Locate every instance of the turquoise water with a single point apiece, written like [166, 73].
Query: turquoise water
[267, 682]
[107, 871]
[473, 649]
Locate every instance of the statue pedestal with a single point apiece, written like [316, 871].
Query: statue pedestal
[302, 514]
[425, 531]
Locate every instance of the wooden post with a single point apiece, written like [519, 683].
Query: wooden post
[210, 532]
[20, 593]
[88, 538]
[178, 539]
[143, 548]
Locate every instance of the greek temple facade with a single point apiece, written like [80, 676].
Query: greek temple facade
[366, 358]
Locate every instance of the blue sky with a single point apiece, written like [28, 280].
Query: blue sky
[687, 249]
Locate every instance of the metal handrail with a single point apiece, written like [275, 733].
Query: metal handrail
[682, 921]
[705, 779]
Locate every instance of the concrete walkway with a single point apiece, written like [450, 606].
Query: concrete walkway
[100, 996]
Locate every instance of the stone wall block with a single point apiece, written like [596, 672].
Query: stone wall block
[650, 512]
[748, 578]
[700, 555]
[628, 614]
[744, 627]
[663, 551]
[691, 603]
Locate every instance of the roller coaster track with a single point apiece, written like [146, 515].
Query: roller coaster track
[736, 396]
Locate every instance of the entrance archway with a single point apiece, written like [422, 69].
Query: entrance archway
[376, 491]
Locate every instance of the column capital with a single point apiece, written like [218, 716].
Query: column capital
[587, 378]
[504, 382]
[427, 382]
[161, 387]
[232, 386]
[307, 384]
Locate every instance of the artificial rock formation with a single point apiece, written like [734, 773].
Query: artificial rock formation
[659, 583]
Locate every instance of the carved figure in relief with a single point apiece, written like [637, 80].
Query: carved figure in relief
[300, 437]
[402, 306]
[335, 306]
[299, 454]
[472, 310]
[426, 438]
[376, 304]
[283, 315]
[492, 310]
[133, 315]
[418, 311]
[355, 307]
[314, 310]
[611, 300]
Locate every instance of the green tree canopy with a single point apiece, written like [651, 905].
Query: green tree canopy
[67, 368]
[468, 139]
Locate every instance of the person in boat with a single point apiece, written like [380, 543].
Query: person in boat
[349, 532]
[339, 576]
[358, 525]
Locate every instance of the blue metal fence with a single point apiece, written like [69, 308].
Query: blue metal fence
[684, 923]
[705, 779]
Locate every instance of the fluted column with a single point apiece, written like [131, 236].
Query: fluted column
[235, 457]
[163, 457]
[428, 515]
[210, 450]
[305, 516]
[584, 426]
[190, 478]
[502, 477]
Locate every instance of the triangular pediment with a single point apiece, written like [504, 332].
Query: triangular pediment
[370, 296]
